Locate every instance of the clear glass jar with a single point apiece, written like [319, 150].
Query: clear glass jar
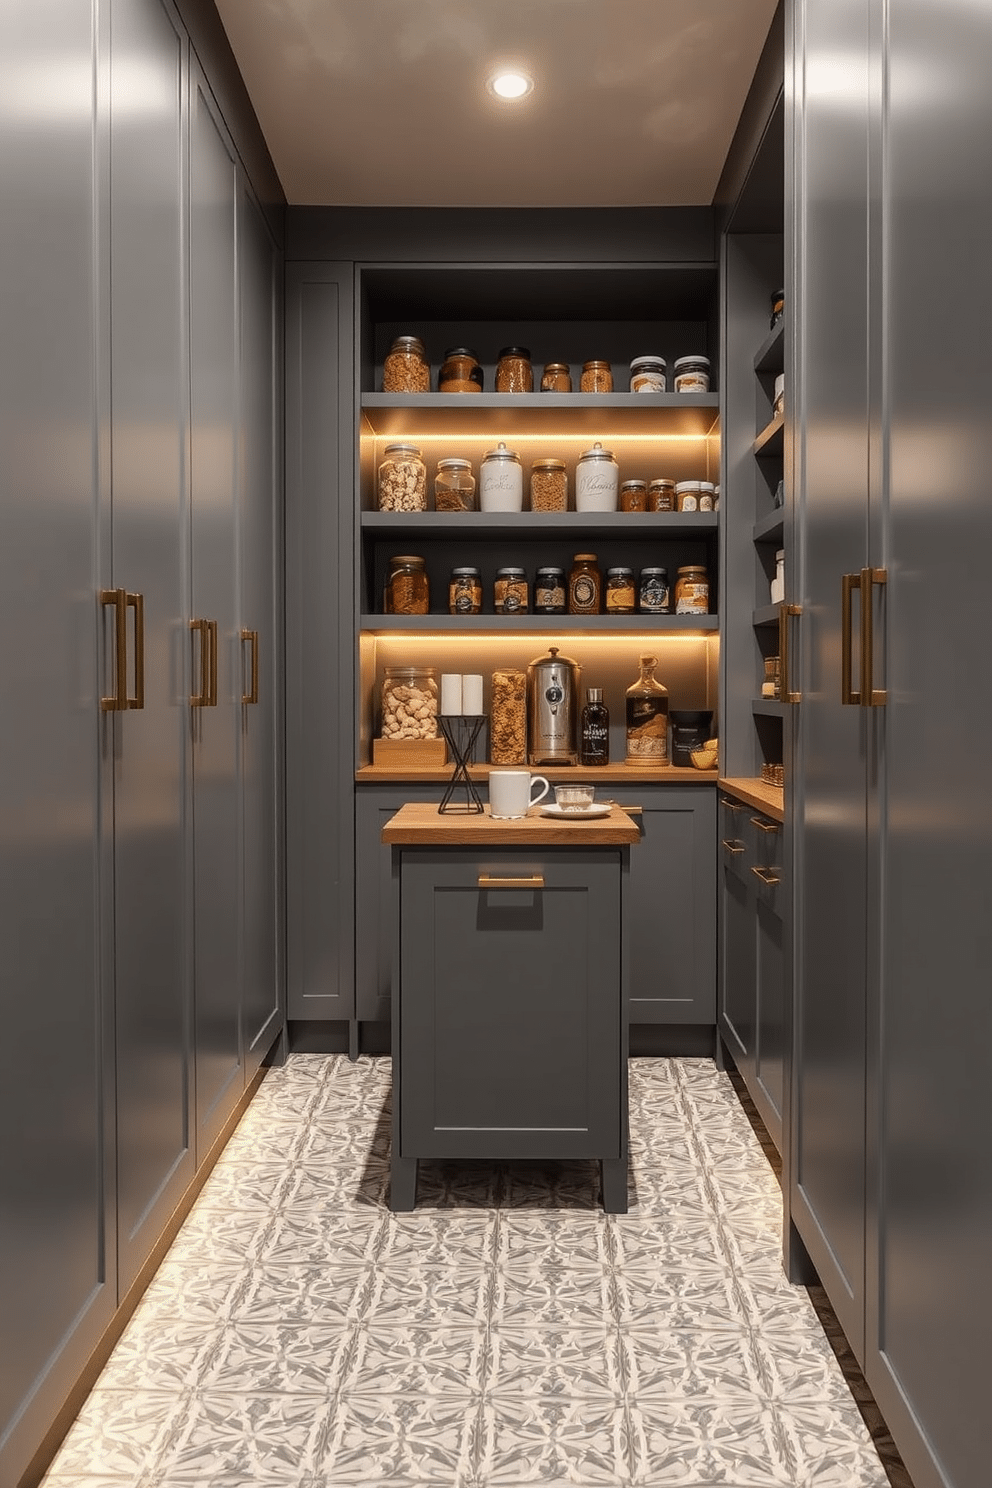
[460, 372]
[549, 591]
[510, 592]
[633, 496]
[401, 482]
[647, 718]
[648, 374]
[707, 496]
[597, 478]
[454, 486]
[406, 368]
[556, 378]
[597, 377]
[621, 596]
[407, 588]
[501, 480]
[514, 373]
[585, 585]
[409, 703]
[661, 494]
[692, 374]
[465, 592]
[548, 486]
[654, 595]
[692, 591]
[687, 496]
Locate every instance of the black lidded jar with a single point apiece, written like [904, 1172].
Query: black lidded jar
[594, 730]
[690, 730]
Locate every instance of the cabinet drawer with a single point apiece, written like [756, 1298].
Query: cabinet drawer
[736, 843]
[766, 863]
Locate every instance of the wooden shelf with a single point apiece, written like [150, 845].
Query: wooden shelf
[650, 414]
[758, 793]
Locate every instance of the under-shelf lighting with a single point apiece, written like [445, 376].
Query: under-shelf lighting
[510, 84]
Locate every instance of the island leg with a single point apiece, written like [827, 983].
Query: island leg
[614, 1179]
[402, 1184]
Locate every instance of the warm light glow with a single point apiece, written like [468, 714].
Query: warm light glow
[510, 84]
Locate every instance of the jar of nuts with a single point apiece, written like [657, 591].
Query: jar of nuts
[402, 479]
[407, 589]
[597, 377]
[409, 703]
[548, 486]
[406, 368]
[454, 486]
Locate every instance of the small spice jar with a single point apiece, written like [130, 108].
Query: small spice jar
[548, 486]
[465, 592]
[406, 369]
[778, 308]
[778, 406]
[687, 496]
[501, 480]
[597, 478]
[692, 374]
[661, 494]
[549, 591]
[514, 373]
[402, 479]
[707, 496]
[597, 377]
[648, 374]
[654, 596]
[692, 591]
[460, 372]
[585, 585]
[454, 486]
[633, 496]
[621, 597]
[510, 596]
[407, 589]
[556, 378]
[409, 703]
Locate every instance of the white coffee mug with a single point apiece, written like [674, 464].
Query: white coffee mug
[510, 792]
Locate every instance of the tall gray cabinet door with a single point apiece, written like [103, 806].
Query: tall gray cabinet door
[260, 549]
[150, 521]
[931, 1237]
[829, 392]
[215, 640]
[56, 1252]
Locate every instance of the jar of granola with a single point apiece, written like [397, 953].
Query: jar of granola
[597, 377]
[548, 486]
[402, 479]
[406, 368]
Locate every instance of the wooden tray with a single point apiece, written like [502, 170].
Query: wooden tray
[426, 753]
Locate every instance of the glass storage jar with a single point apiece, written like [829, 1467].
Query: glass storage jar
[407, 589]
[549, 591]
[707, 496]
[597, 477]
[692, 591]
[501, 480]
[548, 486]
[633, 496]
[510, 594]
[460, 372]
[621, 597]
[409, 703]
[597, 377]
[402, 479]
[687, 496]
[585, 584]
[648, 374]
[556, 378]
[514, 373]
[654, 596]
[647, 718]
[661, 494]
[465, 592]
[692, 374]
[454, 486]
[406, 368]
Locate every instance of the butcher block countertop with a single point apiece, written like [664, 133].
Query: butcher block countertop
[420, 824]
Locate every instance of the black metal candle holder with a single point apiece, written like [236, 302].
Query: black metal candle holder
[462, 731]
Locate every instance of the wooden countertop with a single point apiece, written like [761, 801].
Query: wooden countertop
[757, 793]
[420, 824]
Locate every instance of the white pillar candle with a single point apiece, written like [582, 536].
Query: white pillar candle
[451, 693]
[472, 693]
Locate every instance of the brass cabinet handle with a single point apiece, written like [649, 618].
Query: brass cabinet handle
[136, 602]
[117, 701]
[764, 825]
[784, 612]
[848, 583]
[731, 804]
[251, 696]
[767, 877]
[734, 847]
[873, 697]
[201, 699]
[630, 810]
[212, 700]
[536, 881]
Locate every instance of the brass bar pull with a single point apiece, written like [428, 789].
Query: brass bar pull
[763, 824]
[733, 847]
[201, 699]
[630, 810]
[117, 701]
[784, 611]
[136, 602]
[251, 696]
[731, 804]
[212, 699]
[536, 881]
[872, 696]
[766, 875]
[848, 584]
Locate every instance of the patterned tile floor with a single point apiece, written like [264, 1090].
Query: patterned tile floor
[505, 1333]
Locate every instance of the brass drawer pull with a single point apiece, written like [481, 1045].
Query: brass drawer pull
[767, 876]
[732, 805]
[201, 699]
[536, 881]
[764, 825]
[136, 602]
[251, 696]
[733, 847]
[117, 701]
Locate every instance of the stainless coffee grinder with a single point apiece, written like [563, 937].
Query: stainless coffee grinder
[553, 692]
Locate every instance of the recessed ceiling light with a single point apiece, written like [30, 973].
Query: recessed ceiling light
[510, 84]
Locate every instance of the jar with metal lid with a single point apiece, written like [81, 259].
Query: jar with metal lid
[556, 378]
[621, 597]
[465, 592]
[692, 374]
[707, 496]
[402, 479]
[407, 587]
[514, 373]
[692, 591]
[549, 591]
[406, 368]
[654, 596]
[597, 477]
[585, 584]
[597, 377]
[633, 496]
[409, 703]
[460, 372]
[454, 486]
[510, 593]
[548, 486]
[501, 480]
[661, 494]
[687, 496]
[648, 374]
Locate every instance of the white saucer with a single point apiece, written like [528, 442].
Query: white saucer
[576, 813]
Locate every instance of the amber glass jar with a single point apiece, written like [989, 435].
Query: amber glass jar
[548, 486]
[514, 373]
[406, 368]
[465, 592]
[460, 372]
[661, 494]
[556, 378]
[597, 377]
[621, 597]
[585, 585]
[407, 589]
[633, 496]
[692, 591]
[510, 592]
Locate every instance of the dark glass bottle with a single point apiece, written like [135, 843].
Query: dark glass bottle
[594, 747]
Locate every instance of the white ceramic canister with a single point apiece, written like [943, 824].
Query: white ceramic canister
[597, 480]
[501, 481]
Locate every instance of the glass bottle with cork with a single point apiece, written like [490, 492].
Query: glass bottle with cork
[647, 719]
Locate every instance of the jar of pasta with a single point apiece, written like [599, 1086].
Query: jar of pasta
[597, 377]
[514, 373]
[548, 486]
[406, 368]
